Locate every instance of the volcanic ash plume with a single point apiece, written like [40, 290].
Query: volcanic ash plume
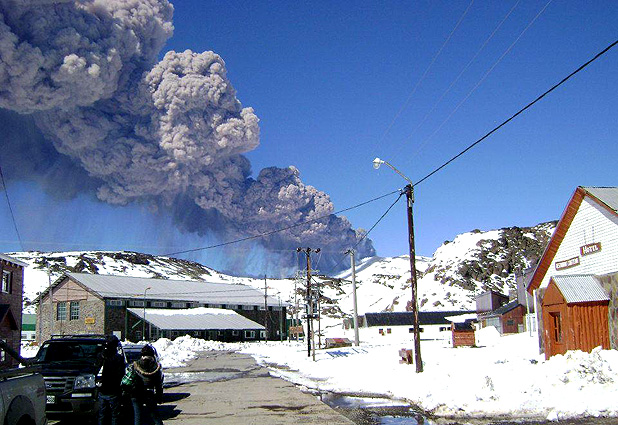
[167, 134]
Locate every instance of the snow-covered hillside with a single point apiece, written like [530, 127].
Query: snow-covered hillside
[473, 262]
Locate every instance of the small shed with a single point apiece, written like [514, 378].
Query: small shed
[575, 314]
[462, 330]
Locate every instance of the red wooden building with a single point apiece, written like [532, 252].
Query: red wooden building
[575, 315]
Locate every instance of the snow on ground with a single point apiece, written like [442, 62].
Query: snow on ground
[504, 377]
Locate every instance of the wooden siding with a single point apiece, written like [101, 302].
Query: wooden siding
[589, 326]
[584, 221]
[516, 316]
[463, 338]
[576, 326]
[554, 243]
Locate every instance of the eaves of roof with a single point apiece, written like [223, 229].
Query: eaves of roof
[606, 197]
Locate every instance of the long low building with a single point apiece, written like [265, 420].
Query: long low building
[201, 322]
[82, 303]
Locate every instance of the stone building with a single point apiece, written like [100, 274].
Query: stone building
[11, 297]
[81, 303]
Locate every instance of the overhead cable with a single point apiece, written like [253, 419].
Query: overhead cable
[272, 232]
[8, 201]
[405, 104]
[554, 87]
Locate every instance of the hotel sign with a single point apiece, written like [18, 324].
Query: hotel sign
[567, 264]
[591, 248]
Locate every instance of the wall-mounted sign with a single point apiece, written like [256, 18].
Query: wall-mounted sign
[89, 320]
[591, 248]
[566, 264]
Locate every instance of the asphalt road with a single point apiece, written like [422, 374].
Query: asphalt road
[242, 393]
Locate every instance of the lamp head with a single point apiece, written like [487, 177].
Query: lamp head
[377, 162]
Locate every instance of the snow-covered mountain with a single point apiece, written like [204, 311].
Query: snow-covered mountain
[472, 263]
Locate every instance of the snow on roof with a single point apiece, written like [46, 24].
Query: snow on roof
[109, 286]
[580, 288]
[196, 318]
[461, 318]
[13, 260]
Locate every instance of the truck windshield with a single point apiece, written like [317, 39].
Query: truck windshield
[69, 351]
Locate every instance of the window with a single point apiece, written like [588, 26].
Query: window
[136, 303]
[250, 334]
[160, 304]
[115, 303]
[247, 307]
[7, 281]
[510, 322]
[381, 331]
[74, 310]
[556, 326]
[445, 328]
[61, 311]
[235, 333]
[263, 334]
[388, 330]
[179, 305]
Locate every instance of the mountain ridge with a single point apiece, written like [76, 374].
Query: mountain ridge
[459, 270]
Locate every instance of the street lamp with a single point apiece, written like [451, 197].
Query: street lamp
[144, 316]
[409, 190]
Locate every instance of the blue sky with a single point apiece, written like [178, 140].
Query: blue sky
[333, 84]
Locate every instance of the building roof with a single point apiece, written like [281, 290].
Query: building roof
[407, 318]
[606, 197]
[580, 288]
[13, 260]
[196, 318]
[503, 309]
[126, 287]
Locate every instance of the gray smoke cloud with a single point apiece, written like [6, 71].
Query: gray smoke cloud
[171, 133]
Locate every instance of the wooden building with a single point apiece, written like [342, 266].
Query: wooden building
[585, 242]
[575, 315]
[507, 319]
[11, 298]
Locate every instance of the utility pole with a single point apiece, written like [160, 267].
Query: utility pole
[409, 191]
[352, 260]
[310, 339]
[265, 310]
[417, 339]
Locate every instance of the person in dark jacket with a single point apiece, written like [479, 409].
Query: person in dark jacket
[109, 384]
[147, 388]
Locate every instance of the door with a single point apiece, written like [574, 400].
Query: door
[554, 332]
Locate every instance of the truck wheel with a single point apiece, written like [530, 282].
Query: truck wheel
[25, 420]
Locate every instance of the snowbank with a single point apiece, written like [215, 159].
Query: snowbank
[504, 378]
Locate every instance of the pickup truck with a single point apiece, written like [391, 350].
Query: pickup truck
[22, 393]
[70, 365]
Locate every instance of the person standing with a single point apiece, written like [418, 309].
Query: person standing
[145, 385]
[109, 384]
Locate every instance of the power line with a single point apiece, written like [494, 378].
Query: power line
[598, 55]
[8, 201]
[272, 232]
[465, 68]
[401, 192]
[483, 78]
[405, 104]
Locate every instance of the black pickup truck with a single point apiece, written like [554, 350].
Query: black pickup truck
[70, 365]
